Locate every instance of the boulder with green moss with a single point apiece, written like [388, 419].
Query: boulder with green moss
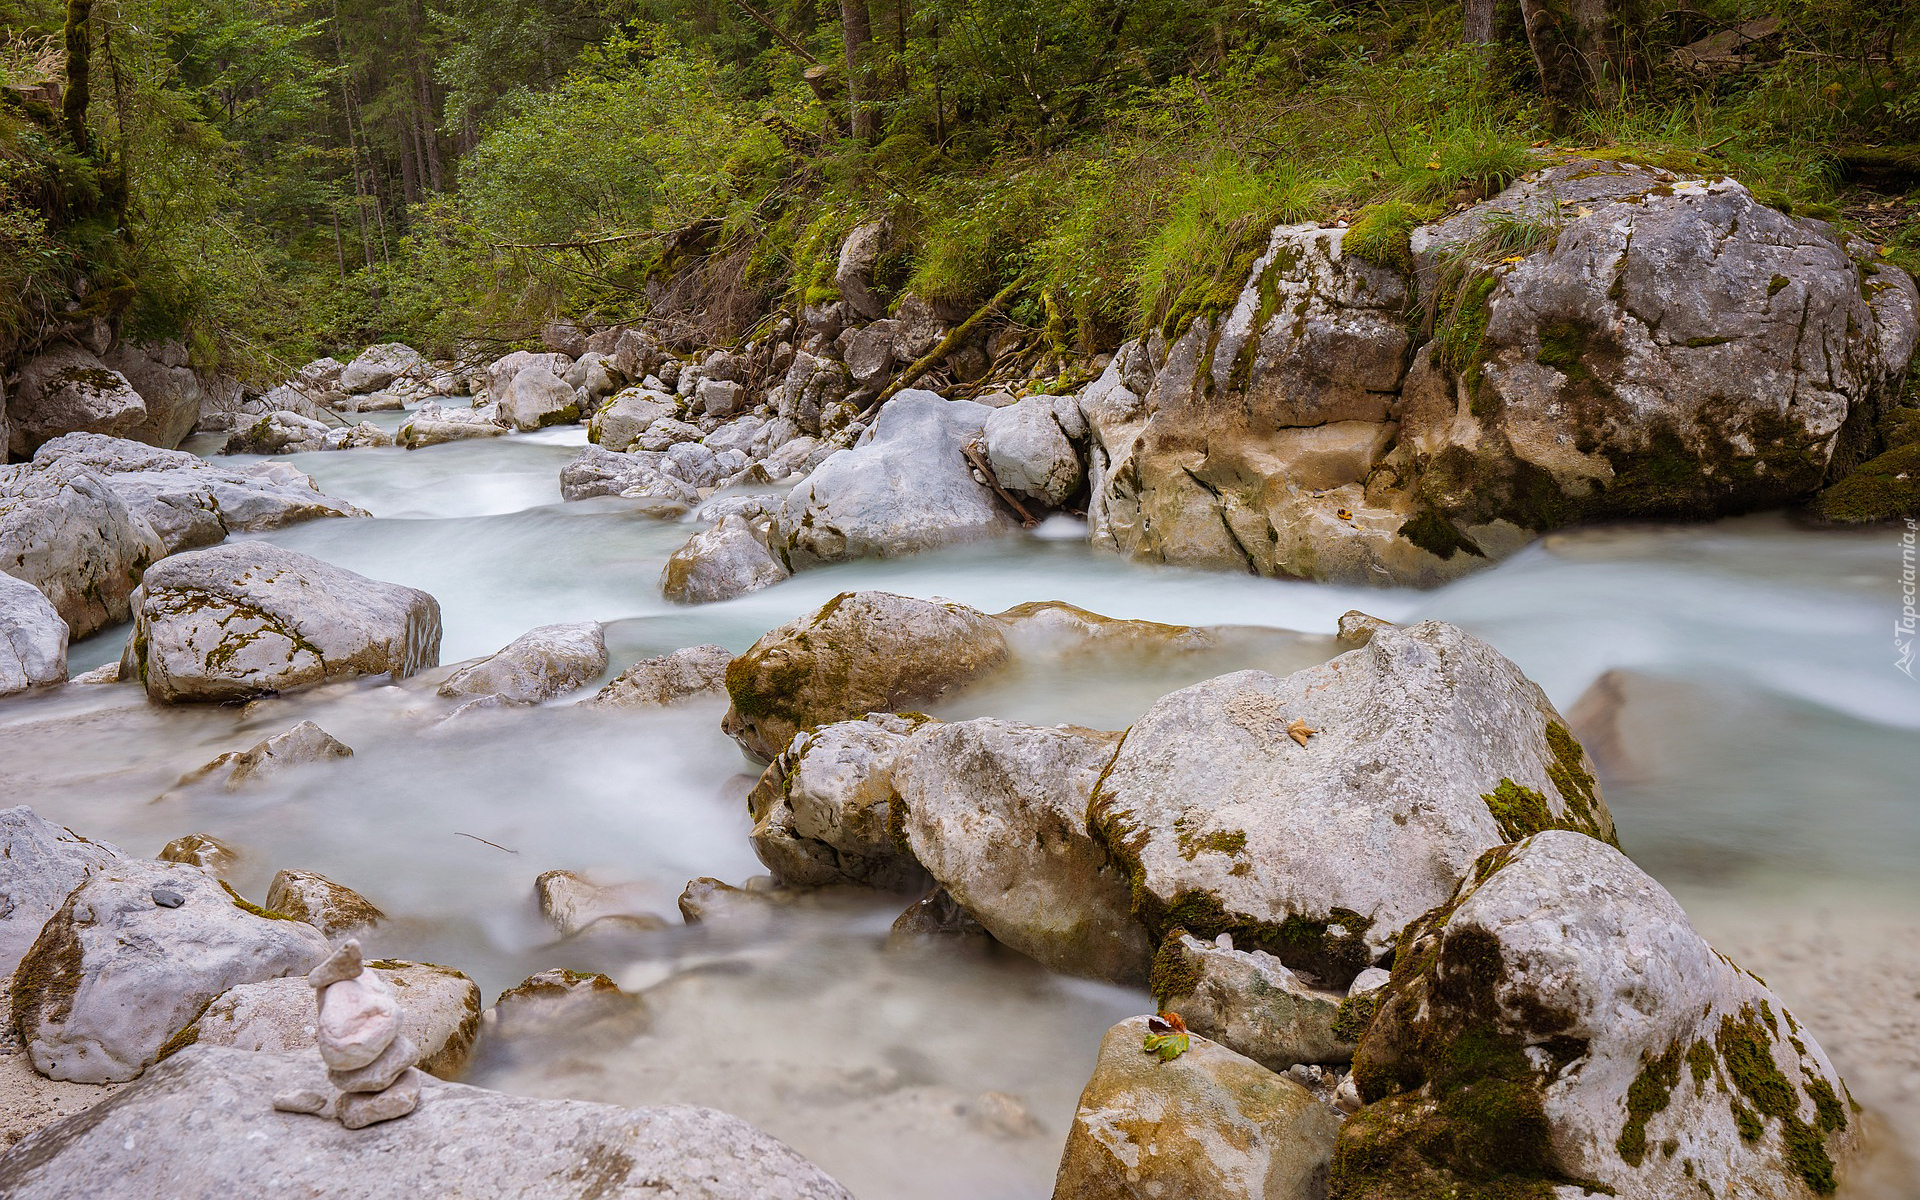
[69, 390]
[1884, 488]
[997, 814]
[238, 621]
[333, 908]
[1249, 1002]
[1208, 1123]
[729, 560]
[827, 811]
[1315, 816]
[133, 955]
[858, 653]
[1559, 1022]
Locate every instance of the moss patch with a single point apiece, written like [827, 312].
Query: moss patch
[1173, 973]
[1381, 234]
[1438, 536]
[245, 905]
[1355, 1014]
[1649, 1093]
[1885, 488]
[1519, 811]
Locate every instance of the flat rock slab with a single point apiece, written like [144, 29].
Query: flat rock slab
[201, 1125]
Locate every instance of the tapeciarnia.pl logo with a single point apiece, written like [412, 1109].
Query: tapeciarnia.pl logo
[1903, 629]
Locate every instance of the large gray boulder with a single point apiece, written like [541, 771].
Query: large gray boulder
[1560, 1019]
[33, 638]
[439, 1013]
[537, 397]
[827, 810]
[729, 560]
[501, 372]
[64, 530]
[904, 488]
[1315, 816]
[66, 390]
[636, 475]
[538, 665]
[132, 956]
[667, 679]
[997, 814]
[252, 619]
[853, 272]
[40, 865]
[191, 502]
[1600, 341]
[860, 652]
[168, 385]
[1033, 448]
[378, 366]
[460, 1141]
[435, 424]
[622, 420]
[1206, 1124]
[280, 430]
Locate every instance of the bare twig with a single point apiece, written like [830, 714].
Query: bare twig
[980, 464]
[495, 845]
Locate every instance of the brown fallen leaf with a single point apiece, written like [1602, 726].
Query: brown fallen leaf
[1299, 732]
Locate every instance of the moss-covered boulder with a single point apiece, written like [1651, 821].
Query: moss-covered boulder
[238, 621]
[860, 652]
[1208, 1123]
[333, 908]
[69, 390]
[1249, 1002]
[1884, 488]
[1314, 816]
[827, 811]
[1559, 1022]
[1600, 340]
[997, 814]
[132, 955]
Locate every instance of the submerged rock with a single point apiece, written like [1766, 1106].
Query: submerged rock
[1315, 816]
[667, 679]
[538, 665]
[1559, 1020]
[239, 621]
[33, 638]
[571, 903]
[860, 652]
[997, 814]
[207, 852]
[905, 488]
[65, 530]
[434, 424]
[1208, 1123]
[459, 1141]
[729, 560]
[304, 743]
[132, 955]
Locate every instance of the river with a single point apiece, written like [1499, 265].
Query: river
[1761, 761]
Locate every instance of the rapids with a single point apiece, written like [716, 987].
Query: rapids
[1763, 760]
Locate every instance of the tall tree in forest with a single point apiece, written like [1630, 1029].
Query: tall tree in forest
[1575, 46]
[79, 54]
[857, 28]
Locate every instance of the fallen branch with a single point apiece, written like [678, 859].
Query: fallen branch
[495, 845]
[776, 31]
[972, 454]
[949, 343]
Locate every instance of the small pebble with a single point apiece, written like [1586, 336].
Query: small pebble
[168, 898]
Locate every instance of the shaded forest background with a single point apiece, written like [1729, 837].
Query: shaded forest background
[273, 179]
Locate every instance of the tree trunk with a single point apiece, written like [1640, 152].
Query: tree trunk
[1574, 48]
[79, 51]
[858, 30]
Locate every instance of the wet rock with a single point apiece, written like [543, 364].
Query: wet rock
[1237, 803]
[904, 488]
[114, 975]
[996, 813]
[64, 530]
[304, 743]
[1209, 1123]
[1031, 447]
[667, 679]
[438, 1011]
[191, 502]
[33, 638]
[239, 621]
[858, 653]
[69, 390]
[560, 1002]
[1703, 1081]
[827, 810]
[207, 852]
[280, 431]
[334, 909]
[434, 424]
[570, 902]
[538, 665]
[459, 1140]
[378, 366]
[1357, 628]
[40, 865]
[537, 397]
[624, 418]
[936, 922]
[639, 475]
[364, 436]
[708, 899]
[1249, 1002]
[729, 560]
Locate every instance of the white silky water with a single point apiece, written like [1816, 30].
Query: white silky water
[1758, 747]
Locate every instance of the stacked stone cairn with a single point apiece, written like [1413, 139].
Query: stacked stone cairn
[369, 1061]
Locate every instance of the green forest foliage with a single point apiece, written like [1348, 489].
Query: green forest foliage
[272, 179]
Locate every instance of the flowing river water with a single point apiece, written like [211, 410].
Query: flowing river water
[1757, 744]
